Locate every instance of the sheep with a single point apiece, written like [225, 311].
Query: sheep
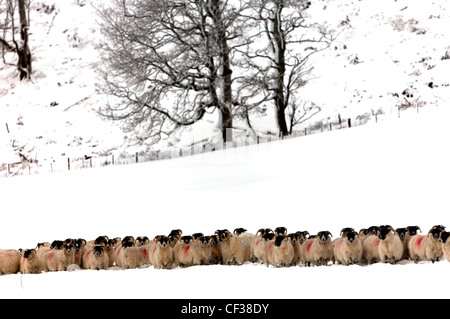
[119, 251]
[296, 245]
[58, 260]
[42, 248]
[109, 249]
[348, 248]
[142, 240]
[280, 253]
[133, 256]
[176, 233]
[234, 249]
[9, 261]
[216, 254]
[426, 247]
[162, 255]
[205, 250]
[96, 258]
[302, 237]
[56, 244]
[257, 246]
[390, 248]
[244, 234]
[445, 244]
[184, 252]
[318, 250]
[30, 262]
[403, 235]
[370, 245]
[80, 248]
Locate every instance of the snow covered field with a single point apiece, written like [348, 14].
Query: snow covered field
[395, 172]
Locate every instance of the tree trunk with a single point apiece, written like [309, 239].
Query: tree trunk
[227, 125]
[225, 76]
[279, 47]
[23, 51]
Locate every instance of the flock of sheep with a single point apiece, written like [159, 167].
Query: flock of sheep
[271, 247]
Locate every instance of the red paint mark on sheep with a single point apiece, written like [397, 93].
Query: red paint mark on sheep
[187, 249]
[118, 251]
[258, 243]
[419, 241]
[154, 251]
[270, 246]
[87, 254]
[308, 247]
[144, 252]
[51, 257]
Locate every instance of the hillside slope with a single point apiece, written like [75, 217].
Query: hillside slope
[389, 173]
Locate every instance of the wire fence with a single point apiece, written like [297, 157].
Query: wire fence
[35, 166]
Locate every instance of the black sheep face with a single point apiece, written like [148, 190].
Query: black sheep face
[128, 244]
[98, 250]
[373, 230]
[127, 239]
[214, 239]
[294, 237]
[444, 237]
[100, 240]
[281, 230]
[413, 230]
[240, 230]
[323, 235]
[57, 244]
[402, 232]
[351, 236]
[268, 236]
[29, 253]
[142, 240]
[223, 234]
[186, 239]
[436, 232]
[206, 240]
[384, 232]
[279, 240]
[302, 235]
[345, 230]
[197, 235]
[164, 241]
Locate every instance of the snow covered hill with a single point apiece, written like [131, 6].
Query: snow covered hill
[394, 172]
[384, 48]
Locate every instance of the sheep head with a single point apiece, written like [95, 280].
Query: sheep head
[401, 232]
[413, 230]
[324, 236]
[281, 231]
[29, 253]
[239, 231]
[280, 239]
[98, 250]
[444, 236]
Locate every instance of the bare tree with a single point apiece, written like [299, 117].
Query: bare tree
[279, 67]
[168, 62]
[8, 38]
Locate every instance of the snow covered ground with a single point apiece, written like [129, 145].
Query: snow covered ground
[395, 172]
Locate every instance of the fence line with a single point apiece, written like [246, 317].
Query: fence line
[34, 167]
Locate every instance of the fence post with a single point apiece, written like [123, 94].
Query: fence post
[68, 163]
[137, 158]
[349, 122]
